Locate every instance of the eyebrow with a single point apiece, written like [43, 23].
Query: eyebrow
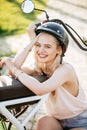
[45, 43]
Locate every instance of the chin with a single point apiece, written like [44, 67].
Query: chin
[42, 60]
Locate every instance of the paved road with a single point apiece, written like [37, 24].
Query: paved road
[74, 13]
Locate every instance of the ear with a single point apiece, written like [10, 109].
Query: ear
[59, 50]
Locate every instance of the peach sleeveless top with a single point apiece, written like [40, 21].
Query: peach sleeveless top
[63, 105]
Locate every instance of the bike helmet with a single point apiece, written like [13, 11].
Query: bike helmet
[58, 31]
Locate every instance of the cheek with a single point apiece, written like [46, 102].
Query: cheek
[52, 54]
[54, 51]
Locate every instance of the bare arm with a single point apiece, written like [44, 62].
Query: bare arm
[22, 55]
[31, 31]
[60, 76]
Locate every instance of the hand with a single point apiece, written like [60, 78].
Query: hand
[9, 64]
[7, 61]
[2, 61]
[31, 31]
[1, 64]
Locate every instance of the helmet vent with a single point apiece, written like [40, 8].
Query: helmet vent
[60, 34]
[45, 26]
[58, 31]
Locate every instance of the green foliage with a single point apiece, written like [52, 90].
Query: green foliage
[13, 20]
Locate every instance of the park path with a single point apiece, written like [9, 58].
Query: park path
[72, 12]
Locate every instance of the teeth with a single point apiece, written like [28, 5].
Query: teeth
[42, 56]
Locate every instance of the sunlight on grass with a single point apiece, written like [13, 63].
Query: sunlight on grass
[13, 20]
[5, 127]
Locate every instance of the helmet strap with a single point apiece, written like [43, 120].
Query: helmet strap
[61, 59]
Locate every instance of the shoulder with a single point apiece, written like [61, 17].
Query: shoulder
[66, 70]
[69, 71]
[66, 66]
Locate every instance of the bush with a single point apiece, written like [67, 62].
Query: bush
[13, 20]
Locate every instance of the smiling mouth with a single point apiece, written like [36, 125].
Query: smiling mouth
[42, 55]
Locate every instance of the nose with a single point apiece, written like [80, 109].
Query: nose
[41, 49]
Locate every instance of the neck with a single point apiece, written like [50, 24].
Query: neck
[49, 67]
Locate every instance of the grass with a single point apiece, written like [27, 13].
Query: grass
[5, 128]
[12, 20]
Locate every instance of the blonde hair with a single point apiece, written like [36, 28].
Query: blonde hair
[40, 66]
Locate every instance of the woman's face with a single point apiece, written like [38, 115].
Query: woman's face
[46, 48]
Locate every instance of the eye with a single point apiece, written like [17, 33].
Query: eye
[47, 46]
[37, 45]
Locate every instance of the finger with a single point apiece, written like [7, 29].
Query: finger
[31, 27]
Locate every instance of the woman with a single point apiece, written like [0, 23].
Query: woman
[67, 102]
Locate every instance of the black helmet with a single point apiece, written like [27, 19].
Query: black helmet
[57, 30]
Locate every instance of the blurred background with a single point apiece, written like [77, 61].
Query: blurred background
[14, 22]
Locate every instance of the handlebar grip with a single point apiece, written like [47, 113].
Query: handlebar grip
[38, 24]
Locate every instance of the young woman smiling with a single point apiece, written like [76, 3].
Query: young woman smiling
[67, 103]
